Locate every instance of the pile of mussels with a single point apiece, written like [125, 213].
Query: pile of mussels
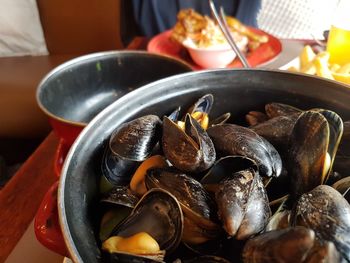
[191, 189]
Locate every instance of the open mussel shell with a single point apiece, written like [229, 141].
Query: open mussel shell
[159, 214]
[336, 129]
[343, 187]
[307, 153]
[198, 207]
[225, 167]
[275, 109]
[285, 245]
[231, 139]
[120, 195]
[203, 104]
[117, 204]
[189, 150]
[135, 140]
[325, 211]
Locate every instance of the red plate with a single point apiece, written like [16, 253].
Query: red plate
[264, 53]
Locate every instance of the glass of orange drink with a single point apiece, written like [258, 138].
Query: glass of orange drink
[338, 44]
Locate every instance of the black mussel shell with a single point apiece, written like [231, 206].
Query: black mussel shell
[325, 211]
[198, 207]
[307, 152]
[243, 206]
[231, 139]
[135, 140]
[191, 150]
[206, 259]
[285, 245]
[116, 170]
[274, 109]
[277, 130]
[120, 195]
[159, 214]
[203, 104]
[126, 258]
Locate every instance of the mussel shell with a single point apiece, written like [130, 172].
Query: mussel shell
[120, 195]
[277, 130]
[326, 211]
[159, 214]
[243, 206]
[191, 150]
[275, 109]
[324, 252]
[343, 187]
[116, 170]
[307, 152]
[231, 139]
[220, 120]
[136, 139]
[285, 245]
[255, 118]
[336, 128]
[198, 207]
[203, 104]
[225, 167]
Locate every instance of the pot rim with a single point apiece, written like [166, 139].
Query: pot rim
[87, 57]
[72, 249]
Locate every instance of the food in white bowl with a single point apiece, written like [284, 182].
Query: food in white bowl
[214, 56]
[206, 44]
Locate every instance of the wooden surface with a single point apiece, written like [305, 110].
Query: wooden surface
[22, 195]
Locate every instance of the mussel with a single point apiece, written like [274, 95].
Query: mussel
[325, 211]
[189, 149]
[240, 196]
[231, 139]
[153, 228]
[200, 220]
[130, 144]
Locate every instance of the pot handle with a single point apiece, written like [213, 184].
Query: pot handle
[46, 223]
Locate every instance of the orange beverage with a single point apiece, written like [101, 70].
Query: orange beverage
[338, 45]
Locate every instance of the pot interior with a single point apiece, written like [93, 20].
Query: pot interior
[235, 91]
[79, 89]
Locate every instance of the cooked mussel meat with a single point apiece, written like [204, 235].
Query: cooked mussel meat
[154, 227]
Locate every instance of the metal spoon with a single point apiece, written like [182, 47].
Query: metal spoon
[224, 28]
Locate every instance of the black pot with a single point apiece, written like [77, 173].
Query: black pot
[236, 91]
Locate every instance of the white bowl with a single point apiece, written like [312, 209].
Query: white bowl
[210, 57]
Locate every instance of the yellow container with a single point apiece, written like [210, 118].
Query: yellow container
[338, 45]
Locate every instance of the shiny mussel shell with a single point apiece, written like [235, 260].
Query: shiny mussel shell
[198, 207]
[190, 150]
[326, 211]
[136, 139]
[159, 214]
[308, 152]
[231, 139]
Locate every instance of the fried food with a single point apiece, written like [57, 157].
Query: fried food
[203, 32]
[318, 64]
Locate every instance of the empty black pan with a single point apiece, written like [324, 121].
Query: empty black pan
[74, 92]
